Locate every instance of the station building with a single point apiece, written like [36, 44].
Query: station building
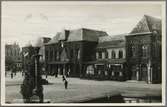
[143, 47]
[93, 54]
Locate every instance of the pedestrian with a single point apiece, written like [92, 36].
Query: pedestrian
[65, 83]
[11, 75]
[22, 73]
[63, 78]
[46, 75]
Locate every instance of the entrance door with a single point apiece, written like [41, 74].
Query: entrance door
[134, 72]
[143, 73]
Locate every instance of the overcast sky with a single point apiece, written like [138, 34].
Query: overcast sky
[26, 21]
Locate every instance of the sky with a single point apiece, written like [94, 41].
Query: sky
[25, 21]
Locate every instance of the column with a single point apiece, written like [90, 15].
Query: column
[103, 55]
[64, 70]
[137, 72]
[69, 70]
[58, 70]
[149, 72]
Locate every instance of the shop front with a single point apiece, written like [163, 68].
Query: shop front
[105, 71]
[142, 72]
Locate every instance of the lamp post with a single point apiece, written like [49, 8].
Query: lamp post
[38, 90]
[32, 89]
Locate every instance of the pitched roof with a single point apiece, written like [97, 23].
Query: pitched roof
[147, 24]
[55, 39]
[111, 38]
[59, 36]
[84, 34]
[39, 42]
[110, 44]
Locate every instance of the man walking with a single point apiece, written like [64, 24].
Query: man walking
[65, 83]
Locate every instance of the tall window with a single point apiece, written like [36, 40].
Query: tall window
[106, 54]
[55, 55]
[100, 55]
[11, 53]
[71, 53]
[133, 51]
[144, 51]
[113, 54]
[46, 55]
[120, 54]
[78, 53]
[51, 55]
[97, 55]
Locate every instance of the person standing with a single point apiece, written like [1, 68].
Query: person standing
[66, 84]
[11, 75]
[63, 78]
[46, 75]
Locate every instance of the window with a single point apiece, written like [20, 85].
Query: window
[113, 54]
[120, 54]
[144, 51]
[100, 55]
[71, 53]
[90, 70]
[133, 51]
[78, 54]
[46, 55]
[112, 74]
[97, 55]
[15, 53]
[106, 54]
[55, 55]
[120, 74]
[51, 55]
[11, 52]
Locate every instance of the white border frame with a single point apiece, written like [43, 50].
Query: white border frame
[163, 4]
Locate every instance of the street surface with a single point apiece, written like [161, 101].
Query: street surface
[80, 89]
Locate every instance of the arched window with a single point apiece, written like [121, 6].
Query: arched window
[120, 54]
[58, 57]
[144, 51]
[46, 55]
[100, 55]
[133, 51]
[97, 55]
[78, 53]
[106, 54]
[71, 53]
[55, 55]
[51, 55]
[113, 54]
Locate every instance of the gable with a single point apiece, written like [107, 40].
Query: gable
[148, 24]
[142, 26]
[63, 56]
